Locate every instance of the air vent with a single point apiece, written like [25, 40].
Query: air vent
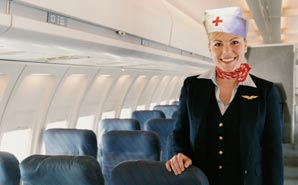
[73, 57]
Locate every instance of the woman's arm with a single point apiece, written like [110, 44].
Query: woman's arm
[179, 144]
[272, 140]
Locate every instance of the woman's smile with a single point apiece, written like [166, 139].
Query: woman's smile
[227, 60]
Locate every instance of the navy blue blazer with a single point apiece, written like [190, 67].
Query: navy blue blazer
[261, 124]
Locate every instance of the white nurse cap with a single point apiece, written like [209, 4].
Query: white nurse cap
[228, 20]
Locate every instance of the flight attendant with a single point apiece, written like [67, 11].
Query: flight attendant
[229, 121]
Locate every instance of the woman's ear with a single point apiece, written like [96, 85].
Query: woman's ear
[209, 47]
[245, 45]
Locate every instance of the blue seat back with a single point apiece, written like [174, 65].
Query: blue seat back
[143, 115]
[168, 110]
[154, 172]
[175, 103]
[107, 125]
[61, 170]
[70, 142]
[163, 128]
[9, 169]
[119, 146]
[175, 115]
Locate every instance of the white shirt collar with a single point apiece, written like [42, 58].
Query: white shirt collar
[210, 74]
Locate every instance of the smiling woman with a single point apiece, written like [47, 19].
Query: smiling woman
[70, 64]
[220, 128]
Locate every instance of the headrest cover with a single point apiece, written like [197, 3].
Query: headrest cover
[228, 20]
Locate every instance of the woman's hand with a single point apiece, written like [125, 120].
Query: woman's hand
[178, 163]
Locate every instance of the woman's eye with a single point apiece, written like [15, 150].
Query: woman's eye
[234, 42]
[217, 44]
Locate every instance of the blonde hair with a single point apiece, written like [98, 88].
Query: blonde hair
[214, 35]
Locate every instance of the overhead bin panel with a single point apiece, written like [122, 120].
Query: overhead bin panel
[144, 18]
[187, 34]
[5, 21]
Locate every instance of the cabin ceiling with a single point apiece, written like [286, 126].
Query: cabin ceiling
[271, 21]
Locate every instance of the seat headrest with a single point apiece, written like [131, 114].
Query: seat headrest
[70, 142]
[143, 115]
[9, 169]
[60, 170]
[106, 125]
[154, 172]
[131, 141]
[161, 126]
[166, 109]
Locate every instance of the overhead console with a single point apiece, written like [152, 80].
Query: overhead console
[143, 26]
[5, 21]
[187, 33]
[144, 18]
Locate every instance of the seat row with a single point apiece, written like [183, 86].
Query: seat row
[119, 140]
[162, 127]
[84, 170]
[115, 146]
[159, 112]
[84, 142]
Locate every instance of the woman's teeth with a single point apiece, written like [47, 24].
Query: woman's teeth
[228, 59]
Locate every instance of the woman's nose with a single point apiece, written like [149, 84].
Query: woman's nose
[227, 48]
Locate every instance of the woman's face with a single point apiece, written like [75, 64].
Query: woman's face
[227, 50]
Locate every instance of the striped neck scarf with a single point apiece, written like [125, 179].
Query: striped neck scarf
[239, 73]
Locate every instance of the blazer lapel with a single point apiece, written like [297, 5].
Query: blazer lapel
[201, 97]
[249, 108]
[198, 93]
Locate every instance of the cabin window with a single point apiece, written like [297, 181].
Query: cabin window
[173, 101]
[141, 107]
[17, 142]
[163, 102]
[43, 148]
[125, 113]
[152, 105]
[57, 124]
[86, 122]
[3, 81]
[106, 115]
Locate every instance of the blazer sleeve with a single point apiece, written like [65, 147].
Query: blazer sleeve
[272, 140]
[180, 136]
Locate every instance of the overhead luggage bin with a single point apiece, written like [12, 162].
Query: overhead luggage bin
[144, 18]
[187, 34]
[5, 21]
[45, 31]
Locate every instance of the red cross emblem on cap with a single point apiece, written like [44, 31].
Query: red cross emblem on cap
[217, 21]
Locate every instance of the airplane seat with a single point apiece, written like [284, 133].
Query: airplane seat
[107, 125]
[175, 115]
[144, 172]
[70, 142]
[9, 169]
[285, 113]
[163, 128]
[119, 146]
[175, 103]
[143, 115]
[61, 170]
[166, 109]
